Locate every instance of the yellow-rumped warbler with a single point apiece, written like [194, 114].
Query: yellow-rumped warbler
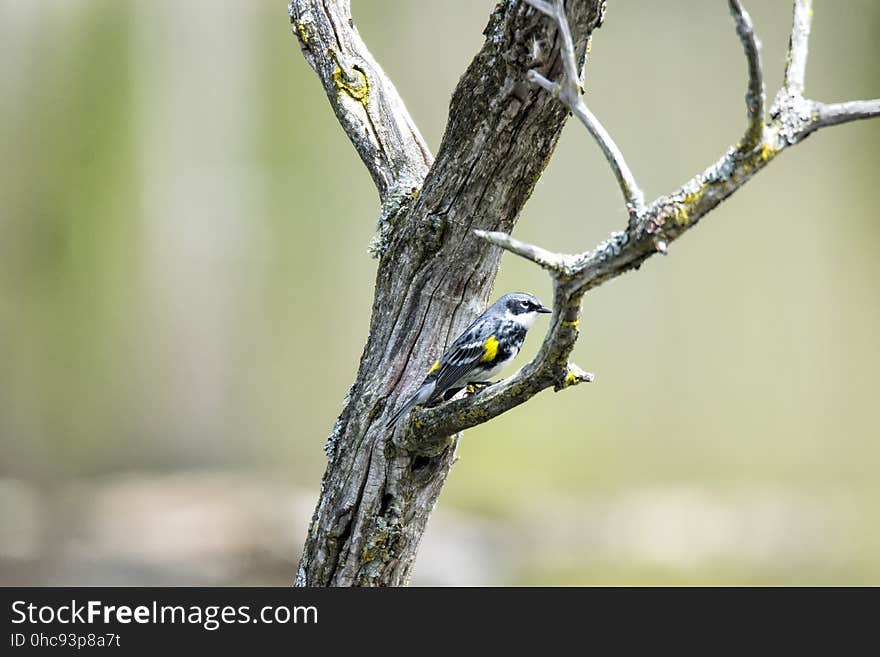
[480, 352]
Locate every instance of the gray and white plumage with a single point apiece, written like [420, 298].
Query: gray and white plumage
[481, 351]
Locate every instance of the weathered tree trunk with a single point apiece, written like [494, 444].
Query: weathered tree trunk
[434, 277]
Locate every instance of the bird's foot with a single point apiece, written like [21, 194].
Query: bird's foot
[477, 386]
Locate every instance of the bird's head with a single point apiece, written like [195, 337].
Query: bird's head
[522, 308]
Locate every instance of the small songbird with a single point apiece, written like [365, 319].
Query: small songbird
[480, 352]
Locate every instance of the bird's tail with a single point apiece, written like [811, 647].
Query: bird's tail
[421, 395]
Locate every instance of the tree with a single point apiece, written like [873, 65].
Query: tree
[445, 223]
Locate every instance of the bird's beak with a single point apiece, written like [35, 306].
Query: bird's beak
[544, 310]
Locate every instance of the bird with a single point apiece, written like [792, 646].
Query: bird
[482, 350]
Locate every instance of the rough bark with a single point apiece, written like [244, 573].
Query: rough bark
[441, 227]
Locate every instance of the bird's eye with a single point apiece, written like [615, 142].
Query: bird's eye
[526, 305]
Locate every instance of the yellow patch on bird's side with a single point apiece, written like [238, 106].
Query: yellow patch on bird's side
[434, 367]
[490, 349]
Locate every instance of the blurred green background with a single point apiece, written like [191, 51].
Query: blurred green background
[185, 289]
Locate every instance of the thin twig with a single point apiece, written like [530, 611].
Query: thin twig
[569, 94]
[546, 259]
[796, 69]
[755, 94]
[548, 85]
[828, 114]
[632, 193]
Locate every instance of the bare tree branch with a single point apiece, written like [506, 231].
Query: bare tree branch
[650, 231]
[836, 113]
[755, 94]
[568, 92]
[366, 102]
[797, 116]
[542, 257]
[796, 68]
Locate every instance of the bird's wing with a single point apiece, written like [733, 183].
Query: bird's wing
[463, 355]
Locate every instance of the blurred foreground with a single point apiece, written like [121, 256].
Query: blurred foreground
[222, 528]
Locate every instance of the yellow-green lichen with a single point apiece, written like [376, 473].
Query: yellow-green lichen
[380, 546]
[301, 30]
[356, 86]
[573, 376]
[682, 216]
[693, 198]
[688, 204]
[767, 152]
[572, 324]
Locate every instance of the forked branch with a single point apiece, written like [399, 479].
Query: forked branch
[568, 91]
[650, 228]
[365, 101]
